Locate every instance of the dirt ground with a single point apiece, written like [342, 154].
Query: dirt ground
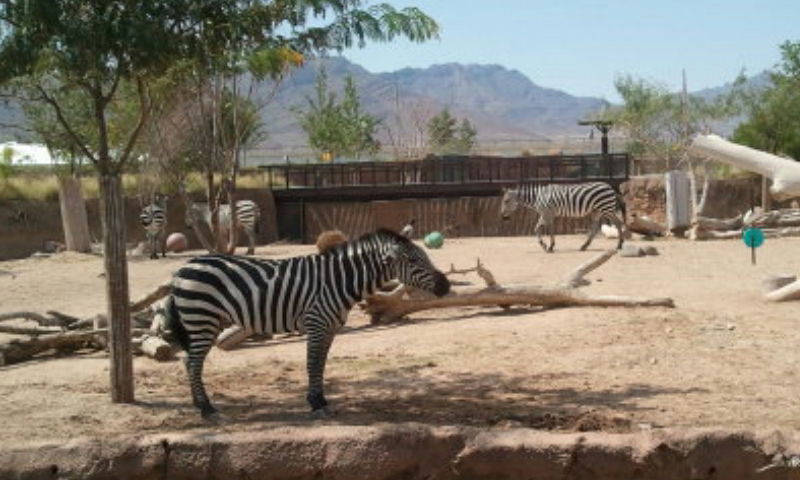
[721, 358]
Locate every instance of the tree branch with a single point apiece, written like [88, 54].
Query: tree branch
[144, 113]
[64, 123]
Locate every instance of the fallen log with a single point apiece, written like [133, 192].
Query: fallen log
[19, 350]
[707, 223]
[575, 279]
[393, 306]
[645, 226]
[789, 291]
[156, 348]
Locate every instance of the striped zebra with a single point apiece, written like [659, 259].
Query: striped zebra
[596, 200]
[247, 215]
[311, 294]
[154, 220]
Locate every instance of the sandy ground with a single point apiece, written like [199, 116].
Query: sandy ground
[722, 358]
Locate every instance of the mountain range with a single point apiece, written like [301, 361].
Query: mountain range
[503, 104]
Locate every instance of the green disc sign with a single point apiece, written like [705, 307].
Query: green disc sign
[753, 237]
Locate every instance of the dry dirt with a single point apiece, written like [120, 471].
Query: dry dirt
[722, 358]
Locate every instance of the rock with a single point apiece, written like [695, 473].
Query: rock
[630, 250]
[649, 250]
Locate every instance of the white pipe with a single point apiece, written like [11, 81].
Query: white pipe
[784, 172]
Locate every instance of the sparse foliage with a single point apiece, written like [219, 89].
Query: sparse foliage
[447, 135]
[340, 129]
[773, 113]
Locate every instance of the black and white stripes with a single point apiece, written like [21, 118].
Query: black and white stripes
[596, 200]
[247, 215]
[154, 220]
[311, 294]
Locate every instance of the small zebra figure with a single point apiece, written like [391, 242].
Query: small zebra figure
[154, 220]
[311, 294]
[247, 215]
[597, 200]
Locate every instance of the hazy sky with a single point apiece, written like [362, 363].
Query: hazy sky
[579, 46]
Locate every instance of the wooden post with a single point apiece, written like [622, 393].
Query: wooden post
[73, 214]
[766, 200]
[112, 208]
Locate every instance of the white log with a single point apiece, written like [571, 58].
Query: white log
[156, 348]
[787, 292]
[784, 172]
[774, 282]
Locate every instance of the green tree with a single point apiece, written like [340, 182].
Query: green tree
[659, 123]
[98, 47]
[773, 113]
[447, 135]
[338, 128]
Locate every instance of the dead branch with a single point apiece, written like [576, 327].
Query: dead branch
[160, 292]
[395, 304]
[32, 316]
[482, 272]
[575, 279]
[13, 330]
[19, 350]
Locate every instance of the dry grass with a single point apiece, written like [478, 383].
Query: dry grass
[43, 186]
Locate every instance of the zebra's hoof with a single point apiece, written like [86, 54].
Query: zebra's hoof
[320, 413]
[214, 418]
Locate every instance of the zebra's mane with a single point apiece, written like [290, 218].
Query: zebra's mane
[369, 240]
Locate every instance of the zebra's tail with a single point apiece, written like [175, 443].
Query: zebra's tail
[177, 331]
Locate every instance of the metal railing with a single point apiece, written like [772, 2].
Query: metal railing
[449, 171]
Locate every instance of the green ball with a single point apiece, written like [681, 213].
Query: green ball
[434, 240]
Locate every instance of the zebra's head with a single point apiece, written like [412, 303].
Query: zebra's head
[509, 203]
[410, 265]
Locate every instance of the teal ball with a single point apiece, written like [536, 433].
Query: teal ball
[434, 240]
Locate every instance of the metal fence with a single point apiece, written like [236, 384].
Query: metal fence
[450, 171]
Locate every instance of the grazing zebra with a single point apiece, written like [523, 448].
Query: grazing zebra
[154, 220]
[247, 215]
[311, 294]
[597, 200]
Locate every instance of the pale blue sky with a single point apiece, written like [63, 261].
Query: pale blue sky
[579, 46]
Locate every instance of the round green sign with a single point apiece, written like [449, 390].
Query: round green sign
[753, 237]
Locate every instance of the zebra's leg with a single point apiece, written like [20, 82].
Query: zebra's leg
[199, 345]
[320, 338]
[548, 223]
[151, 242]
[540, 225]
[251, 237]
[162, 240]
[594, 227]
[620, 228]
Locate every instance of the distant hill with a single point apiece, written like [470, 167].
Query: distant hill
[501, 103]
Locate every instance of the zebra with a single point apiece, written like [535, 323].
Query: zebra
[154, 220]
[311, 294]
[247, 215]
[598, 200]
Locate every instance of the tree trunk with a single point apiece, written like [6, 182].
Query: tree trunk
[73, 214]
[116, 269]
